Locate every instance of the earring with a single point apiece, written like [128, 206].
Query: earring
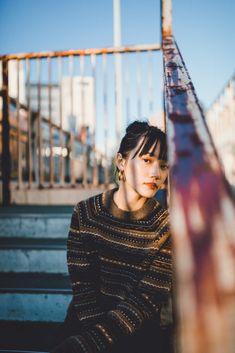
[121, 175]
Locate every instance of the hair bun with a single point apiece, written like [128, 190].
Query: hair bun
[137, 126]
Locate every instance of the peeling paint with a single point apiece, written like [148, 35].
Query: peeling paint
[207, 218]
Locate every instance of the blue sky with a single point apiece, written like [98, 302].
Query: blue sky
[204, 31]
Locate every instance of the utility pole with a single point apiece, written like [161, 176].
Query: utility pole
[118, 68]
[166, 15]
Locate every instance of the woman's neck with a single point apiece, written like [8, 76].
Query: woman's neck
[128, 200]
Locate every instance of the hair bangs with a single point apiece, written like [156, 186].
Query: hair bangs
[150, 142]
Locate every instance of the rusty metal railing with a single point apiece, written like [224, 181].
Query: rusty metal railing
[202, 215]
[202, 218]
[62, 111]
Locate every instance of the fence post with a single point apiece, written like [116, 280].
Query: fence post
[166, 18]
[6, 163]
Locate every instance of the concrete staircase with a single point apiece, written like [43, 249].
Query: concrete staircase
[34, 284]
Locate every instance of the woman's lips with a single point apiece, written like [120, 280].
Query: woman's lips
[151, 186]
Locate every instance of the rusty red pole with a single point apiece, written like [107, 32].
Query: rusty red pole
[166, 18]
[202, 219]
[6, 163]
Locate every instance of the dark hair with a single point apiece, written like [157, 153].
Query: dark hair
[152, 136]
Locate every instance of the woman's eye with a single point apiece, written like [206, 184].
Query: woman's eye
[146, 160]
[164, 166]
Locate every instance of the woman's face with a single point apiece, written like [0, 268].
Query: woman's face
[144, 174]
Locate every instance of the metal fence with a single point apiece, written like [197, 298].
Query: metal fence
[63, 112]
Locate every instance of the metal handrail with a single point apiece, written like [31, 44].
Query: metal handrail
[202, 217]
[82, 52]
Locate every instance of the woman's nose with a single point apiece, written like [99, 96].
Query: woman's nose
[155, 171]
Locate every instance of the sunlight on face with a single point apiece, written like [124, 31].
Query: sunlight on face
[145, 174]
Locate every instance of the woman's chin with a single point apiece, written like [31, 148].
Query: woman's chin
[148, 193]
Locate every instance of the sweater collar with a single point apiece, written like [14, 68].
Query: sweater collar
[143, 212]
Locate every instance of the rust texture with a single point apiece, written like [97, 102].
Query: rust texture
[6, 162]
[202, 218]
[80, 52]
[166, 14]
[29, 123]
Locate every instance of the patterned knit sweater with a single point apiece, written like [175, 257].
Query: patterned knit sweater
[120, 267]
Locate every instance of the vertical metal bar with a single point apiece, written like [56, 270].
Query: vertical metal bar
[95, 167]
[138, 78]
[118, 97]
[39, 142]
[71, 156]
[83, 128]
[19, 152]
[150, 82]
[106, 121]
[6, 162]
[51, 178]
[166, 16]
[73, 123]
[71, 73]
[127, 88]
[82, 68]
[60, 73]
[118, 68]
[29, 123]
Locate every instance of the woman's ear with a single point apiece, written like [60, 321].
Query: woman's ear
[120, 162]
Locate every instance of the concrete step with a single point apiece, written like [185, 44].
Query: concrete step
[33, 243]
[35, 288]
[35, 222]
[34, 297]
[36, 209]
[34, 307]
[33, 255]
[34, 283]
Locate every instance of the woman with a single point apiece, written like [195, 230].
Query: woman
[119, 255]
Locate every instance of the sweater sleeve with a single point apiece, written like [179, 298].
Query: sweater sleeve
[130, 313]
[81, 261]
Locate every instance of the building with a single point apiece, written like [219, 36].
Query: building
[13, 82]
[220, 118]
[77, 102]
